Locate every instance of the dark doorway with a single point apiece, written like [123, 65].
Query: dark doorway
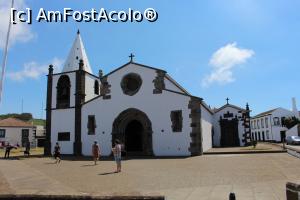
[229, 133]
[133, 128]
[25, 137]
[282, 135]
[134, 136]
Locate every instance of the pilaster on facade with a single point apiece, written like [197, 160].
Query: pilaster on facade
[196, 134]
[47, 145]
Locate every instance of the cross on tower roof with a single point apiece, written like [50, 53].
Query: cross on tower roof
[227, 99]
[131, 57]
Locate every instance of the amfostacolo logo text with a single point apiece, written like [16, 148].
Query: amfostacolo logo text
[93, 15]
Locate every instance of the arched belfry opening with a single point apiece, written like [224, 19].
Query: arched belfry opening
[133, 128]
[63, 92]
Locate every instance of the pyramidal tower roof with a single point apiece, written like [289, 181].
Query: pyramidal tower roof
[77, 53]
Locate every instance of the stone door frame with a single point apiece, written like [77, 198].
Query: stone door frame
[121, 121]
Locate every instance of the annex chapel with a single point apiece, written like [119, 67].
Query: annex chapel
[140, 105]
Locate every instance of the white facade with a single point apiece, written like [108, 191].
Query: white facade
[228, 112]
[268, 126]
[13, 135]
[156, 106]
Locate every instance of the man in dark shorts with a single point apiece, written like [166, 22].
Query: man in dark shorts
[57, 153]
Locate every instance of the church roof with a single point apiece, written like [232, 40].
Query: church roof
[153, 68]
[131, 62]
[265, 113]
[13, 122]
[77, 53]
[228, 105]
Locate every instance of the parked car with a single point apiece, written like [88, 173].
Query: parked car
[292, 140]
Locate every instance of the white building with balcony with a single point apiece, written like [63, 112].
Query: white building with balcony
[268, 126]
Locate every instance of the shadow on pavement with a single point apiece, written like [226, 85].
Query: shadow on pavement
[107, 173]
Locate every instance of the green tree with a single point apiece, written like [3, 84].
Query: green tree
[290, 122]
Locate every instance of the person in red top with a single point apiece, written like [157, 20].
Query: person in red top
[96, 152]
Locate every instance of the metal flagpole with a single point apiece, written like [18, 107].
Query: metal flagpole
[5, 54]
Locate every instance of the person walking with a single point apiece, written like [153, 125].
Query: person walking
[96, 152]
[27, 149]
[57, 153]
[117, 151]
[8, 148]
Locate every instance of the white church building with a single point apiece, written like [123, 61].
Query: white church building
[142, 106]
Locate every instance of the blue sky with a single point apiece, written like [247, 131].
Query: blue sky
[241, 49]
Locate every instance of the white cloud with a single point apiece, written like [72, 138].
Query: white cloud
[20, 32]
[34, 70]
[223, 62]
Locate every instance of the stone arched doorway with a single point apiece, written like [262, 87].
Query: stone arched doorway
[133, 128]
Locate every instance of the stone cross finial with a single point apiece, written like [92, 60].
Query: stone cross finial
[131, 57]
[227, 99]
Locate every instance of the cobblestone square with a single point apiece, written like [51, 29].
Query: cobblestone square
[250, 176]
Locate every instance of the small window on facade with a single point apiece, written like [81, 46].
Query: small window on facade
[176, 118]
[91, 125]
[63, 136]
[257, 123]
[266, 122]
[96, 87]
[254, 124]
[262, 123]
[267, 134]
[2, 133]
[276, 121]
